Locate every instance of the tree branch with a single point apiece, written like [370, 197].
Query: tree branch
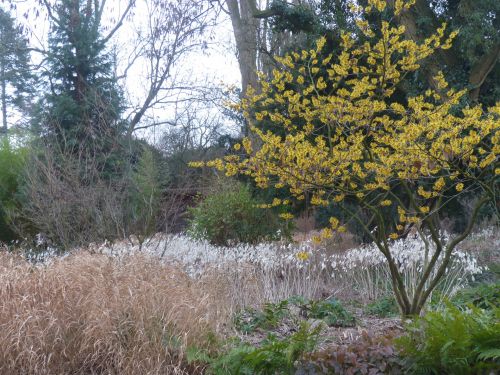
[481, 69]
[120, 22]
[449, 249]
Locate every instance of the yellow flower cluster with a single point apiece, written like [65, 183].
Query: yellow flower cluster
[302, 255]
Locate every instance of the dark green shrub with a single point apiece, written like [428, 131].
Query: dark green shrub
[272, 356]
[231, 215]
[453, 341]
[494, 269]
[383, 307]
[367, 355]
[12, 161]
[484, 296]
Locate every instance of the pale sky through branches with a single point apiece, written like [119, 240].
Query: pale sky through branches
[215, 66]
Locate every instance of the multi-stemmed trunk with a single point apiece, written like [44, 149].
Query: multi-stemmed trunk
[412, 305]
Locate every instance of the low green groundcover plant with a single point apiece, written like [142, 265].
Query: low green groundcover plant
[453, 341]
[331, 311]
[484, 296]
[249, 320]
[383, 307]
[272, 356]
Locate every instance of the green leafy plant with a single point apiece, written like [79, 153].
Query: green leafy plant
[383, 307]
[148, 181]
[484, 296]
[249, 320]
[275, 312]
[273, 356]
[231, 215]
[452, 341]
[494, 269]
[12, 162]
[331, 311]
[367, 355]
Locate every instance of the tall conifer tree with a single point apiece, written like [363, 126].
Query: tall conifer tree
[84, 104]
[15, 73]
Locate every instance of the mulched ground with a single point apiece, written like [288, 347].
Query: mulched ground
[374, 326]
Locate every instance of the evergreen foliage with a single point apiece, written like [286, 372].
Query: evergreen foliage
[231, 215]
[84, 103]
[12, 161]
[485, 296]
[383, 307]
[478, 23]
[273, 356]
[15, 74]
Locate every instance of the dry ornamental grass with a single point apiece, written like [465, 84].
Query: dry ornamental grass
[92, 314]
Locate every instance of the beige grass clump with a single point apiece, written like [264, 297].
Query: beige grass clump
[91, 314]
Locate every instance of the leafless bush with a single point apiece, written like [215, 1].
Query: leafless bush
[91, 314]
[74, 197]
[67, 198]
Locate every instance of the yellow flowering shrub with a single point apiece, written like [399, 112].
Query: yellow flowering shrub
[353, 142]
[342, 134]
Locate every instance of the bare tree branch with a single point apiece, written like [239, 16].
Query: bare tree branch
[481, 69]
[174, 29]
[120, 22]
